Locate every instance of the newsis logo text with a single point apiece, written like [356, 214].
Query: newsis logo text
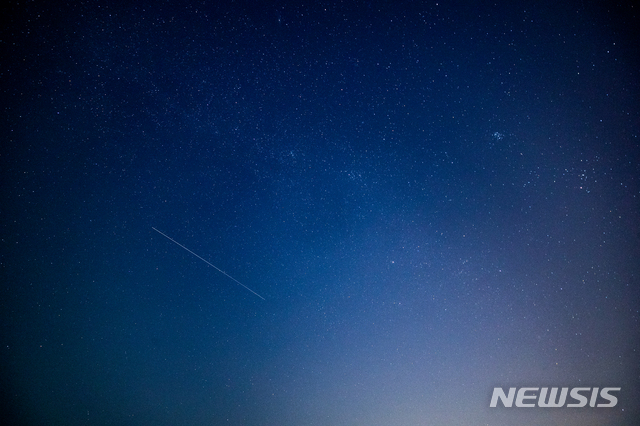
[548, 397]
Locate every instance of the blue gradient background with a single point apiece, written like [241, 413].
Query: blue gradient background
[434, 199]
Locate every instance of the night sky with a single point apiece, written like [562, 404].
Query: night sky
[422, 201]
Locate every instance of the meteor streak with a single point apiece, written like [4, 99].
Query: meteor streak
[207, 262]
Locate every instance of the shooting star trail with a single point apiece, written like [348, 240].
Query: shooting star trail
[207, 262]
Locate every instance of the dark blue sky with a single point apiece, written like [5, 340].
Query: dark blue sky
[434, 199]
